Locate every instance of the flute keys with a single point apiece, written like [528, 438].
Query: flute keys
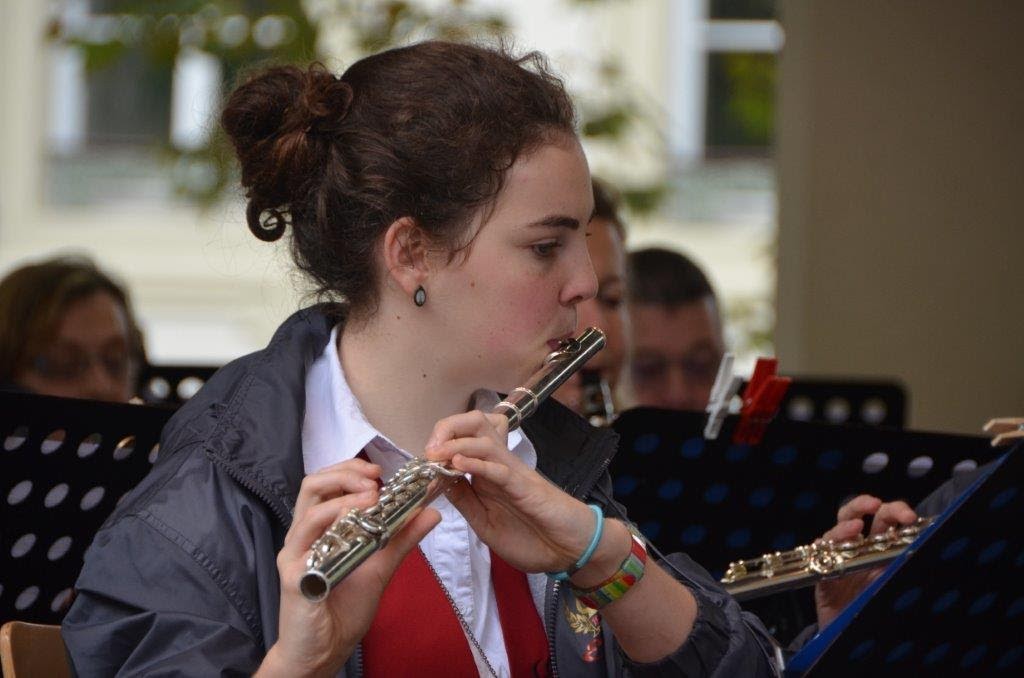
[771, 563]
[735, 571]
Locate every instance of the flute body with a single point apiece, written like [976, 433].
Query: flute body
[823, 559]
[359, 534]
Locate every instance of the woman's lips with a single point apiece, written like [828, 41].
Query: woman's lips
[555, 344]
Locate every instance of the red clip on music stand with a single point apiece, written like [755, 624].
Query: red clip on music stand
[761, 400]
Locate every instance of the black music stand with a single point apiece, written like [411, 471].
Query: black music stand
[721, 502]
[845, 401]
[952, 604]
[64, 464]
[172, 384]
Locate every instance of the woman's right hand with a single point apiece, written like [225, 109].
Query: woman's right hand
[317, 638]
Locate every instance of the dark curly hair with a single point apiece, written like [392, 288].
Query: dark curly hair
[426, 131]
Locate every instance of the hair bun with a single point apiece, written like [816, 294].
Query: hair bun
[280, 122]
[325, 102]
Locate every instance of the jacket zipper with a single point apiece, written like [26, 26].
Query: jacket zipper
[583, 490]
[244, 482]
[552, 623]
[256, 491]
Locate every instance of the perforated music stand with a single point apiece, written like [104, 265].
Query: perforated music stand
[64, 464]
[845, 401]
[172, 385]
[720, 502]
[951, 605]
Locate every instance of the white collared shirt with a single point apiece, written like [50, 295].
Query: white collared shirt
[335, 430]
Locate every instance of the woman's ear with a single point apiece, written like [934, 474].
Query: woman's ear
[406, 248]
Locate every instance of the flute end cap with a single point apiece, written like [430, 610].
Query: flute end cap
[314, 587]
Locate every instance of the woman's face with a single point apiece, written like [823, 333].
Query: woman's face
[506, 301]
[90, 355]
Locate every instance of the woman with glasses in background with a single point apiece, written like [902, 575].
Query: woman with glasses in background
[67, 329]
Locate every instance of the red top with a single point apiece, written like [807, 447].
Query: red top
[416, 630]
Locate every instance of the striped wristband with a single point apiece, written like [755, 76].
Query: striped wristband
[614, 587]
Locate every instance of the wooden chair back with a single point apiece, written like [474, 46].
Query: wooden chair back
[32, 650]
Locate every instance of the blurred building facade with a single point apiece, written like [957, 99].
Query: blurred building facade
[82, 170]
[893, 144]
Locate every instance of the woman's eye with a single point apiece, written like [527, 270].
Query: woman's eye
[610, 301]
[546, 249]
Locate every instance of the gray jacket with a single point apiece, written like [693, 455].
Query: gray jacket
[182, 577]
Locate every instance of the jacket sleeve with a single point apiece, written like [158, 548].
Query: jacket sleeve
[725, 640]
[148, 604]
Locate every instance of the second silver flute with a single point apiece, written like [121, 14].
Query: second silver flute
[355, 537]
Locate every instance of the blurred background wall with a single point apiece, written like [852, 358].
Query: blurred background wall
[900, 149]
[846, 171]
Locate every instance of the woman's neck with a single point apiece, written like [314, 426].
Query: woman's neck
[399, 382]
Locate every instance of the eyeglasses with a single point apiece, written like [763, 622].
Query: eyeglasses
[650, 371]
[69, 364]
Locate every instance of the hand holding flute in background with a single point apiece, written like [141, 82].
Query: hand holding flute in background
[832, 595]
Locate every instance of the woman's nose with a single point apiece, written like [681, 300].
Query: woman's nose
[582, 283]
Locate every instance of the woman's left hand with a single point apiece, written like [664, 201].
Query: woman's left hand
[528, 521]
[832, 595]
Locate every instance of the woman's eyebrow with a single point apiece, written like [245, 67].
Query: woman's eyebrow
[556, 221]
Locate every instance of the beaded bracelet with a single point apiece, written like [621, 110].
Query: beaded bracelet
[614, 587]
[591, 547]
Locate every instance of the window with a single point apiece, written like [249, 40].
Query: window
[722, 172]
[109, 114]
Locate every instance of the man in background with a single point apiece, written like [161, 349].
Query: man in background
[677, 330]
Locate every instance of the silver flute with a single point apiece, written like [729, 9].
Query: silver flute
[362, 532]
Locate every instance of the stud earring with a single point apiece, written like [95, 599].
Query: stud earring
[419, 297]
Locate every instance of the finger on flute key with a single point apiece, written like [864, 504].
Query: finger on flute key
[891, 514]
[348, 477]
[318, 518]
[858, 507]
[844, 530]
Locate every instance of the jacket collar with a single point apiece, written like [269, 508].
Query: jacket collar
[258, 403]
[570, 452]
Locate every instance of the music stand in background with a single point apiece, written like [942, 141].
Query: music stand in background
[952, 604]
[835, 401]
[720, 502]
[64, 464]
[172, 384]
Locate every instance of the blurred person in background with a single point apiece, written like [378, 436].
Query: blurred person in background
[67, 329]
[676, 331]
[606, 237]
